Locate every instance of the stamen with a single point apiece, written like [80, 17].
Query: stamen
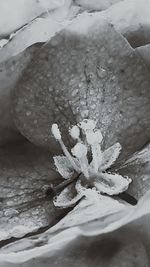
[70, 158]
[101, 160]
[75, 132]
[80, 152]
[87, 125]
[56, 132]
[94, 139]
[97, 157]
[57, 135]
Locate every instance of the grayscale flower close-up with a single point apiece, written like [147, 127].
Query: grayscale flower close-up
[74, 133]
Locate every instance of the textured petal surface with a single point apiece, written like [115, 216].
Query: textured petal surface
[112, 184]
[68, 197]
[56, 238]
[39, 30]
[28, 10]
[111, 250]
[110, 155]
[25, 175]
[92, 209]
[95, 4]
[137, 167]
[87, 210]
[101, 86]
[10, 72]
[63, 166]
[144, 52]
[131, 18]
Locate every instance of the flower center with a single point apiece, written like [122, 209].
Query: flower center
[88, 161]
[79, 158]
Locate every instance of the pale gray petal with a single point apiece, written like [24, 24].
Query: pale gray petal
[137, 167]
[112, 184]
[67, 198]
[114, 80]
[85, 219]
[63, 166]
[110, 155]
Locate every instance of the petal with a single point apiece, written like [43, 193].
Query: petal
[55, 238]
[137, 167]
[63, 166]
[112, 184]
[120, 249]
[25, 175]
[95, 5]
[94, 206]
[27, 13]
[110, 155]
[88, 193]
[38, 30]
[112, 222]
[105, 216]
[68, 197]
[117, 99]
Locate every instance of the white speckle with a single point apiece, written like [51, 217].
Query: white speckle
[10, 212]
[75, 92]
[93, 106]
[50, 89]
[85, 113]
[83, 103]
[28, 113]
[101, 72]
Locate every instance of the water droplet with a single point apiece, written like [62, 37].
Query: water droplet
[75, 92]
[101, 72]
[10, 212]
[84, 113]
[28, 113]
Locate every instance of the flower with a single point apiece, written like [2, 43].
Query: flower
[122, 109]
[94, 180]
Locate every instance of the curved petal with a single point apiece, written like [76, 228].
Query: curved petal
[94, 206]
[110, 155]
[137, 167]
[55, 238]
[96, 221]
[112, 184]
[110, 94]
[68, 197]
[39, 30]
[28, 11]
[63, 166]
[111, 250]
[25, 175]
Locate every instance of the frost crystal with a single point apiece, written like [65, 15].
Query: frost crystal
[90, 163]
